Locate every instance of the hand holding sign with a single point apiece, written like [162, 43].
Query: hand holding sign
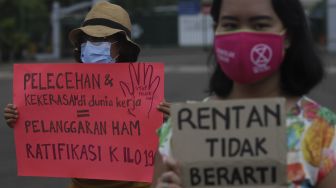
[73, 117]
[143, 85]
[11, 114]
[251, 153]
[171, 176]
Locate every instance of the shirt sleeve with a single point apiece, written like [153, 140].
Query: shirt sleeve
[318, 144]
[165, 134]
[328, 153]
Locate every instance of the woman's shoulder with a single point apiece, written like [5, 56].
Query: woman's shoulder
[311, 131]
[311, 110]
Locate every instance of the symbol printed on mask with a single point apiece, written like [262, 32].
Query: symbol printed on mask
[225, 55]
[261, 55]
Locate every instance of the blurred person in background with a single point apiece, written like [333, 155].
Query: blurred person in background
[290, 71]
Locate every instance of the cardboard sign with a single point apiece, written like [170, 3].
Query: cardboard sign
[238, 143]
[88, 121]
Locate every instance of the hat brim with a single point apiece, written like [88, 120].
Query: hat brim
[100, 31]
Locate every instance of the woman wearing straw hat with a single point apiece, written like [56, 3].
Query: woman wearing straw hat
[104, 37]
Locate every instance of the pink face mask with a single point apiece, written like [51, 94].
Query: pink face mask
[247, 57]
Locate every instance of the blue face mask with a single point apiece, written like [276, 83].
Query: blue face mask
[96, 52]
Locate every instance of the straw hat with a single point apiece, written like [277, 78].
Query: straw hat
[105, 19]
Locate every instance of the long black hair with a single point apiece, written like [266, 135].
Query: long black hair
[302, 68]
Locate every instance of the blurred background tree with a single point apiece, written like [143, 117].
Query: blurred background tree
[22, 24]
[25, 27]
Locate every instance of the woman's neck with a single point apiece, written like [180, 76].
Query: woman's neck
[269, 87]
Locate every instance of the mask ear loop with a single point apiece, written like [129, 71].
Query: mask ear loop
[77, 55]
[286, 39]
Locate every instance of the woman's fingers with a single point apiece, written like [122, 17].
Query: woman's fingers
[167, 185]
[164, 103]
[165, 110]
[164, 107]
[10, 116]
[172, 165]
[10, 108]
[171, 177]
[10, 122]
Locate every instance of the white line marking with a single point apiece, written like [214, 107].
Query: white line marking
[331, 70]
[186, 69]
[6, 75]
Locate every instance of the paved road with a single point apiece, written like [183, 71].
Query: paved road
[186, 78]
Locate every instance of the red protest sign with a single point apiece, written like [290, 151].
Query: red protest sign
[88, 121]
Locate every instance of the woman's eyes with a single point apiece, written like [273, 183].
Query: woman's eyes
[229, 26]
[261, 26]
[94, 39]
[253, 26]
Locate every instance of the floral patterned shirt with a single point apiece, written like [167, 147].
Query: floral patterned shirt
[311, 139]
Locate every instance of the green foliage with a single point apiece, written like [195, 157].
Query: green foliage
[25, 24]
[21, 22]
[143, 5]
